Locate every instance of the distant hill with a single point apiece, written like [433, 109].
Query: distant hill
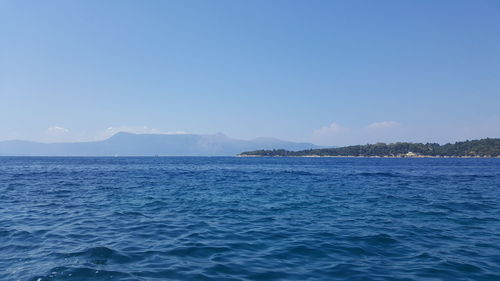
[475, 148]
[128, 144]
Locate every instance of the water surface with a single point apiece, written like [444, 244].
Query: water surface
[228, 218]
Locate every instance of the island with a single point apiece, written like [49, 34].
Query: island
[489, 147]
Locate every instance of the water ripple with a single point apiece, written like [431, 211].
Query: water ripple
[230, 218]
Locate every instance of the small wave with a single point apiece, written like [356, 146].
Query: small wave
[155, 204]
[475, 176]
[81, 273]
[298, 173]
[130, 214]
[273, 173]
[99, 255]
[375, 240]
[355, 250]
[377, 174]
[197, 251]
[344, 271]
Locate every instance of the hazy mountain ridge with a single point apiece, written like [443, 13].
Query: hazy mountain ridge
[128, 144]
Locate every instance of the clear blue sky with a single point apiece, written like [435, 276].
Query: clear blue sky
[330, 72]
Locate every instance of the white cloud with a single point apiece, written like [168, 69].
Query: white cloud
[57, 130]
[334, 134]
[334, 128]
[56, 134]
[328, 135]
[382, 125]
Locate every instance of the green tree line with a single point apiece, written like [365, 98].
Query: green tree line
[488, 147]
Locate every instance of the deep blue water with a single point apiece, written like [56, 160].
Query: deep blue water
[231, 218]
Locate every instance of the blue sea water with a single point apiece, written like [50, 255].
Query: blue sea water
[229, 218]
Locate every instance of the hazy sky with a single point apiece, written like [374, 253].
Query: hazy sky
[330, 72]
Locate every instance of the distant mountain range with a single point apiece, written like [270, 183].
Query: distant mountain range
[128, 144]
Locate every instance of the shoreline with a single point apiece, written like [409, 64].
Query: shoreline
[354, 156]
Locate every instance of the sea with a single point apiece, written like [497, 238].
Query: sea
[235, 218]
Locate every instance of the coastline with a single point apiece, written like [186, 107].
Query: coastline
[367, 156]
[482, 148]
